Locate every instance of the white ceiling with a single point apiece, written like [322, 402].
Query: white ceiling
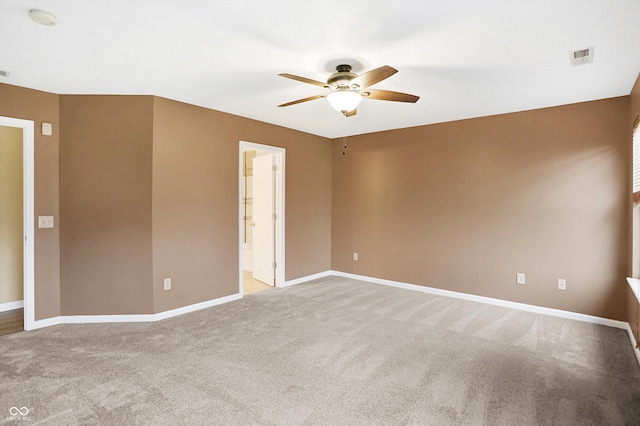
[464, 58]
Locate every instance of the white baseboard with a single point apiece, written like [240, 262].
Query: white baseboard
[96, 319]
[47, 322]
[10, 306]
[634, 344]
[488, 300]
[83, 319]
[196, 307]
[504, 303]
[307, 278]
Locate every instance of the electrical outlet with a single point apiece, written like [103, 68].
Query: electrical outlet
[355, 256]
[520, 278]
[562, 284]
[45, 221]
[167, 283]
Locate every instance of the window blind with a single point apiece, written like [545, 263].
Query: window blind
[636, 160]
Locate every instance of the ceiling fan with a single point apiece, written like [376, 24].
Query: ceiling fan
[348, 89]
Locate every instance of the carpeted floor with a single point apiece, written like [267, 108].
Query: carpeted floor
[332, 351]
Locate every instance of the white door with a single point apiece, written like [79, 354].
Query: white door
[263, 219]
[11, 218]
[28, 216]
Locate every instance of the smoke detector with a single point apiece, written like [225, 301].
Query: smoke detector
[42, 17]
[582, 56]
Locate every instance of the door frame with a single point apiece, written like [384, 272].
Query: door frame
[280, 155]
[28, 220]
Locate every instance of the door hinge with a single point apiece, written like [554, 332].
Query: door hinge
[274, 265]
[275, 168]
[275, 216]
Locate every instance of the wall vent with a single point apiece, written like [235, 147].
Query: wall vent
[582, 56]
[4, 73]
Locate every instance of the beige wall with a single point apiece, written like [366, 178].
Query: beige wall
[11, 215]
[195, 201]
[149, 190]
[105, 198]
[466, 205]
[27, 104]
[633, 307]
[462, 205]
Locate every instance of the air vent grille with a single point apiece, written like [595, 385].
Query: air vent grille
[582, 56]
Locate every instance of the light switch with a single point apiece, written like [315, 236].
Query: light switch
[45, 221]
[47, 129]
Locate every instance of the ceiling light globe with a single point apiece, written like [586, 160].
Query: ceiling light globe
[344, 101]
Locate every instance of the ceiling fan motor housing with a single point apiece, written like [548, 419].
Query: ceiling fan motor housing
[340, 79]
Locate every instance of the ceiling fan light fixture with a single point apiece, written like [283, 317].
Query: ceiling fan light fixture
[349, 89]
[344, 101]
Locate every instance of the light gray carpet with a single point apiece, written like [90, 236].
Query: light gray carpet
[333, 351]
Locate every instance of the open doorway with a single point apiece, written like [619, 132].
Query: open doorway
[17, 218]
[261, 217]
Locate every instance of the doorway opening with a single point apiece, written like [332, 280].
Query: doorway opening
[261, 217]
[17, 216]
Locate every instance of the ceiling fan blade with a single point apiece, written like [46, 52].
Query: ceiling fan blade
[388, 95]
[304, 79]
[351, 113]
[299, 101]
[374, 76]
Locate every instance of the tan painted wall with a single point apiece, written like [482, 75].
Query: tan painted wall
[195, 201]
[466, 205]
[27, 104]
[548, 201]
[11, 215]
[633, 307]
[105, 198]
[130, 162]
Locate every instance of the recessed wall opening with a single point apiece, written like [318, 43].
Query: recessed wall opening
[261, 217]
[17, 217]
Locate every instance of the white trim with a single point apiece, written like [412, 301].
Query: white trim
[280, 209]
[84, 319]
[10, 306]
[489, 300]
[498, 302]
[47, 322]
[634, 344]
[97, 319]
[307, 278]
[196, 307]
[634, 283]
[29, 216]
